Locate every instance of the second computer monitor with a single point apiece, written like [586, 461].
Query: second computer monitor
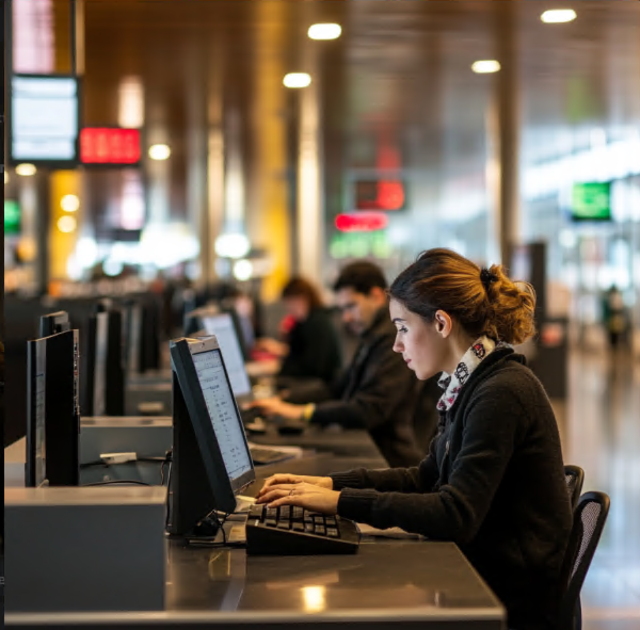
[221, 325]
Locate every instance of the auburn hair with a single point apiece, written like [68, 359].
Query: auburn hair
[482, 301]
[300, 287]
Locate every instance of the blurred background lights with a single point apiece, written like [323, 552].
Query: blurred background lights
[70, 203]
[485, 66]
[25, 170]
[232, 245]
[297, 80]
[243, 270]
[159, 152]
[67, 224]
[112, 267]
[86, 252]
[6, 177]
[324, 31]
[131, 103]
[557, 16]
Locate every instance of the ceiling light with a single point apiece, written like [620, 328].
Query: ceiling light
[297, 80]
[67, 224]
[557, 16]
[234, 245]
[243, 270]
[324, 31]
[485, 66]
[26, 170]
[159, 152]
[70, 203]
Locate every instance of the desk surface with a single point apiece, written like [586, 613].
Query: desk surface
[385, 585]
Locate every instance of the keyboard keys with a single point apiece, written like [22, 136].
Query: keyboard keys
[271, 522]
[297, 526]
[298, 513]
[255, 511]
[332, 532]
[285, 512]
[308, 528]
[330, 521]
[319, 529]
[284, 525]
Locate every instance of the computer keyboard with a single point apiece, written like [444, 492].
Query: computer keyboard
[263, 455]
[292, 530]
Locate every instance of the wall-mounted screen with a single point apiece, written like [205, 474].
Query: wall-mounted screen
[44, 119]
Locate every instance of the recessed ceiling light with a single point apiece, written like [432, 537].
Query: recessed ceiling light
[67, 224]
[324, 31]
[26, 170]
[297, 80]
[557, 16]
[159, 152]
[485, 66]
[70, 203]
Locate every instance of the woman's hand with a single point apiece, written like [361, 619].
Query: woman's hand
[286, 478]
[305, 495]
[277, 407]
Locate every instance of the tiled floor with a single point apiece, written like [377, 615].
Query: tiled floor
[600, 427]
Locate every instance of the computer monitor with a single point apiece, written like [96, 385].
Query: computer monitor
[53, 417]
[53, 323]
[103, 364]
[221, 325]
[211, 458]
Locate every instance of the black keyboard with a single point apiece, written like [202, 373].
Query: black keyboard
[292, 530]
[263, 455]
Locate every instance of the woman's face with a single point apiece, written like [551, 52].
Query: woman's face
[422, 346]
[298, 307]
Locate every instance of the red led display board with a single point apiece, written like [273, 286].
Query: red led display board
[362, 222]
[109, 145]
[380, 194]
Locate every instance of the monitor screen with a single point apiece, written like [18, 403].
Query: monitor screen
[222, 327]
[44, 125]
[222, 413]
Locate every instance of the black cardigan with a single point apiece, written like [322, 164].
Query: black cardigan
[378, 392]
[314, 348]
[493, 482]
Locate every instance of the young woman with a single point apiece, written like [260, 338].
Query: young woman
[313, 346]
[493, 480]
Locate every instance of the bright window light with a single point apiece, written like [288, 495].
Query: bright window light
[67, 224]
[26, 170]
[232, 245]
[485, 66]
[324, 31]
[70, 203]
[243, 270]
[557, 16]
[159, 152]
[297, 80]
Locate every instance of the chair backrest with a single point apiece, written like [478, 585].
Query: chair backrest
[589, 518]
[574, 476]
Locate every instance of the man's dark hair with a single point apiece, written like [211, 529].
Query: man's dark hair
[361, 276]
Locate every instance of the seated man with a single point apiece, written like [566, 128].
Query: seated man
[377, 391]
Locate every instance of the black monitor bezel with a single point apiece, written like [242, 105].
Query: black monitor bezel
[60, 320]
[36, 354]
[223, 488]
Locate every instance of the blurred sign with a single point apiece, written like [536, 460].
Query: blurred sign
[591, 201]
[379, 194]
[105, 145]
[11, 217]
[361, 222]
[44, 119]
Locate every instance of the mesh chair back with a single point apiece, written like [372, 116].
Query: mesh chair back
[589, 518]
[574, 476]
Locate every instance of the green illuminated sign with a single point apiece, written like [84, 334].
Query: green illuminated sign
[591, 201]
[359, 244]
[11, 217]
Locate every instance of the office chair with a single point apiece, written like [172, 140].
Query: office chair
[574, 476]
[589, 518]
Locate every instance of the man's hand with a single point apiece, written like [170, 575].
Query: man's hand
[306, 495]
[277, 407]
[286, 478]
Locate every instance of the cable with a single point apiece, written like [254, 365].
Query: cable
[114, 481]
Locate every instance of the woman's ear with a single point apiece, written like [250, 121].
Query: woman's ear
[443, 322]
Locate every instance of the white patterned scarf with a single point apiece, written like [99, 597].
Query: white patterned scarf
[453, 383]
